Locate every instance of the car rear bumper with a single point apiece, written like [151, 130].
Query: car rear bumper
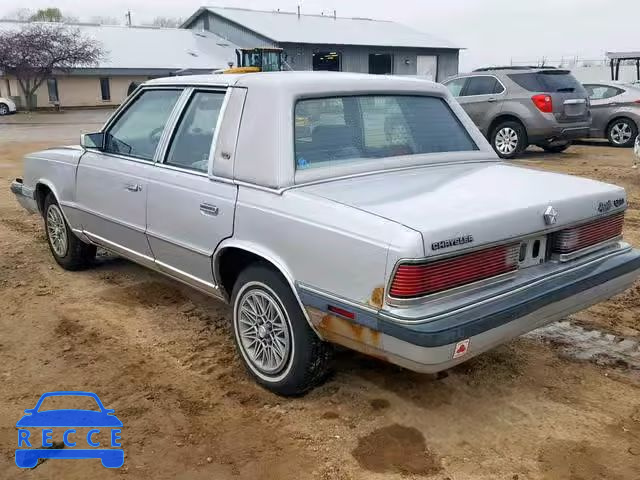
[24, 195]
[560, 133]
[429, 344]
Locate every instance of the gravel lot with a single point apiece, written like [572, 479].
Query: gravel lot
[161, 355]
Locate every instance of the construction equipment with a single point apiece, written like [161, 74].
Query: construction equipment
[260, 59]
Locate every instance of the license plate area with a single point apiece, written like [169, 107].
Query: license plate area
[533, 251]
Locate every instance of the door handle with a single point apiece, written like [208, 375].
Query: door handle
[208, 209]
[491, 100]
[133, 187]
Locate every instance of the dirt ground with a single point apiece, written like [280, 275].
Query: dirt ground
[161, 355]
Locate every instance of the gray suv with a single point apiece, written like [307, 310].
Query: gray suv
[515, 107]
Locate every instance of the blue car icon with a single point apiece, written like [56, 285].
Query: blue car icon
[110, 457]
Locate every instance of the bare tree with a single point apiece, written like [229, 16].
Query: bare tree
[19, 14]
[34, 52]
[166, 22]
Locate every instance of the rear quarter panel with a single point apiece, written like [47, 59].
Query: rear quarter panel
[323, 244]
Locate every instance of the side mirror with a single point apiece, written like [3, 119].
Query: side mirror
[92, 140]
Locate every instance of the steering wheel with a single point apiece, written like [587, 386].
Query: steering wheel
[155, 134]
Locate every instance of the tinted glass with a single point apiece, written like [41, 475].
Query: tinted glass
[548, 81]
[456, 86]
[482, 86]
[342, 129]
[602, 92]
[191, 144]
[138, 130]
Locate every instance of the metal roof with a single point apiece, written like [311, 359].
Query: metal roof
[150, 48]
[623, 55]
[289, 27]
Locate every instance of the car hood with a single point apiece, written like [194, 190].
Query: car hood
[489, 201]
[69, 418]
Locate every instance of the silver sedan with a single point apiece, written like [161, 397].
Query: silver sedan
[615, 109]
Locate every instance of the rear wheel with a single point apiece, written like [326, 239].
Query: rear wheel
[622, 132]
[276, 344]
[68, 250]
[4, 109]
[509, 139]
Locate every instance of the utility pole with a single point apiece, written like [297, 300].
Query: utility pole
[128, 17]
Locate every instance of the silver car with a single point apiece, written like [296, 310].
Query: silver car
[388, 226]
[615, 108]
[515, 107]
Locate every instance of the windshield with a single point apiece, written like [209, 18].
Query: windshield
[342, 129]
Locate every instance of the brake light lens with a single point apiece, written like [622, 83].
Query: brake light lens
[543, 102]
[412, 280]
[588, 234]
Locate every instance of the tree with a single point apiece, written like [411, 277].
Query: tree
[34, 52]
[166, 22]
[52, 15]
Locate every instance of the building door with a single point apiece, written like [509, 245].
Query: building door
[427, 67]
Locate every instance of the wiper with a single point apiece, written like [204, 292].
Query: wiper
[566, 89]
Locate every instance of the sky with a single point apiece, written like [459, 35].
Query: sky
[491, 31]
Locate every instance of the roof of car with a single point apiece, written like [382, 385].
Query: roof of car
[304, 80]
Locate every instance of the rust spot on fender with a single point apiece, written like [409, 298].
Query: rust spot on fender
[344, 332]
[377, 297]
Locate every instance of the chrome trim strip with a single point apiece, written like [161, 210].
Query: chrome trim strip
[624, 248]
[104, 217]
[184, 274]
[337, 298]
[116, 246]
[575, 101]
[197, 173]
[566, 257]
[216, 132]
[171, 125]
[190, 248]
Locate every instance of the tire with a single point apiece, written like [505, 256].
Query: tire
[556, 148]
[622, 133]
[300, 361]
[4, 109]
[509, 139]
[68, 250]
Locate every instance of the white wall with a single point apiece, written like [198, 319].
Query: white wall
[600, 73]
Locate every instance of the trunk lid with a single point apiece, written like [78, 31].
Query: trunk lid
[475, 204]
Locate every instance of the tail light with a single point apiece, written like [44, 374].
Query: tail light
[588, 234]
[413, 280]
[636, 101]
[543, 102]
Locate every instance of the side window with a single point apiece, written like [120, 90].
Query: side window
[482, 86]
[191, 143]
[602, 92]
[456, 86]
[138, 130]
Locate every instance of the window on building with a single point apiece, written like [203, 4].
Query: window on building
[52, 87]
[191, 144]
[329, 61]
[380, 63]
[105, 89]
[138, 130]
[483, 85]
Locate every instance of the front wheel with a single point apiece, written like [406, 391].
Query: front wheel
[276, 344]
[509, 139]
[69, 251]
[622, 133]
[4, 109]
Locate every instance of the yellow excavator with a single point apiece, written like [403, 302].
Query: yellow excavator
[260, 59]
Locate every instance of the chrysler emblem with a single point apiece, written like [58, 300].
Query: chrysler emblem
[550, 215]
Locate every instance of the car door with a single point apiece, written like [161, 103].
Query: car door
[189, 211]
[481, 99]
[111, 182]
[603, 105]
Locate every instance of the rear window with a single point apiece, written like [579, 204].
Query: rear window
[342, 129]
[547, 81]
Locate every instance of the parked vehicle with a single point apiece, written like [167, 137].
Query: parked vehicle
[7, 106]
[407, 240]
[615, 108]
[515, 107]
